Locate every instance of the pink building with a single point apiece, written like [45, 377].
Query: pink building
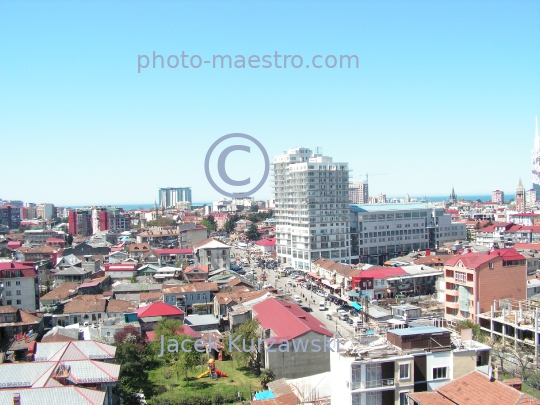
[474, 280]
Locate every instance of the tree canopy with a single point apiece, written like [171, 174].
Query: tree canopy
[253, 232]
[162, 221]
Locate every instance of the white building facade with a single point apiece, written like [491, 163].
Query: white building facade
[312, 208]
[384, 231]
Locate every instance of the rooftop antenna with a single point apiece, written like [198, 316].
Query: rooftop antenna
[318, 150]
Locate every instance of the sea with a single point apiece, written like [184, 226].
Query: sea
[481, 197]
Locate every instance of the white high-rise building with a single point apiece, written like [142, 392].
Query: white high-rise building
[358, 192]
[312, 208]
[170, 196]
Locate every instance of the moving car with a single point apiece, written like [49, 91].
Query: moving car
[322, 306]
[297, 299]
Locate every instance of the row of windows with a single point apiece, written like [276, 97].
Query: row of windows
[8, 283]
[8, 293]
[9, 302]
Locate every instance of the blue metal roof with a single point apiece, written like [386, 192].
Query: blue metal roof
[417, 331]
[389, 207]
[356, 306]
[264, 395]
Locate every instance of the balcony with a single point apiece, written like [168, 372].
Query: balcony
[452, 293]
[385, 382]
[454, 305]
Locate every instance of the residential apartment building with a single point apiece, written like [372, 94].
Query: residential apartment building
[497, 196]
[474, 280]
[384, 231]
[383, 370]
[45, 211]
[10, 216]
[358, 192]
[110, 219]
[312, 210]
[287, 324]
[18, 286]
[184, 296]
[80, 223]
[212, 254]
[168, 197]
[501, 234]
[40, 236]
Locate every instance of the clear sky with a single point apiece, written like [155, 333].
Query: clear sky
[445, 94]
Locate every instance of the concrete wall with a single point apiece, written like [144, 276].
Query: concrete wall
[406, 384]
[296, 363]
[464, 363]
[27, 297]
[500, 282]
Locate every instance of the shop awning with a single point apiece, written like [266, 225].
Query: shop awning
[356, 306]
[326, 282]
[314, 276]
[353, 294]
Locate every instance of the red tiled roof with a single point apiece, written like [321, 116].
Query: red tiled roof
[266, 242]
[476, 259]
[189, 269]
[158, 309]
[527, 246]
[383, 273]
[477, 388]
[287, 320]
[162, 252]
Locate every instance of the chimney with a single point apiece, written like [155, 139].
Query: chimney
[489, 252]
[16, 399]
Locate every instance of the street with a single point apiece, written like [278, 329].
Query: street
[310, 300]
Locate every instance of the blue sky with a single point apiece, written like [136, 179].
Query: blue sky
[445, 94]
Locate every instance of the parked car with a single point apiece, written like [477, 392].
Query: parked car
[322, 306]
[307, 309]
[343, 316]
[297, 299]
[350, 321]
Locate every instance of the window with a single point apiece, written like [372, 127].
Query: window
[403, 398]
[8, 294]
[17, 283]
[8, 302]
[461, 277]
[404, 371]
[374, 398]
[490, 265]
[439, 373]
[19, 302]
[18, 292]
[356, 376]
[8, 283]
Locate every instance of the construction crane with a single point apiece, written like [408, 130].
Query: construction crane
[374, 174]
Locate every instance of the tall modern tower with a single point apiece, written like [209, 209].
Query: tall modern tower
[536, 163]
[169, 196]
[312, 208]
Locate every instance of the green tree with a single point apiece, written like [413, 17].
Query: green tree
[266, 377]
[209, 222]
[253, 232]
[133, 280]
[135, 362]
[69, 240]
[162, 221]
[229, 225]
[188, 357]
[242, 345]
[254, 208]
